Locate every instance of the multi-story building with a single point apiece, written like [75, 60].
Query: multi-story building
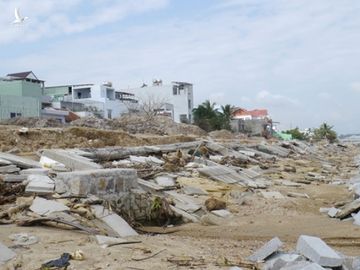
[20, 95]
[175, 99]
[89, 99]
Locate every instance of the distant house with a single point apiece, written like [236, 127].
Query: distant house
[88, 99]
[241, 113]
[175, 99]
[20, 95]
[251, 122]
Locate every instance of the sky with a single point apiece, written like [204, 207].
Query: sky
[300, 59]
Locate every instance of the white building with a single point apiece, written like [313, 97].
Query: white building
[99, 99]
[175, 99]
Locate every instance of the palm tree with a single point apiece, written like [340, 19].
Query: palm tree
[325, 131]
[226, 116]
[205, 114]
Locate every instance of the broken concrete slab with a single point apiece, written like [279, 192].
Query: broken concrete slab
[332, 212]
[114, 221]
[150, 186]
[42, 206]
[273, 150]
[280, 259]
[303, 265]
[165, 180]
[189, 190]
[39, 184]
[183, 201]
[4, 162]
[14, 178]
[71, 160]
[98, 182]
[211, 220]
[187, 217]
[298, 195]
[35, 171]
[348, 209]
[9, 169]
[21, 162]
[272, 195]
[318, 251]
[221, 213]
[6, 254]
[356, 218]
[266, 250]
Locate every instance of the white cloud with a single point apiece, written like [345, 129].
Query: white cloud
[267, 98]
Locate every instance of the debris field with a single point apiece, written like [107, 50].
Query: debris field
[88, 198]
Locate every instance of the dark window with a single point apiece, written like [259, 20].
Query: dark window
[189, 103]
[70, 90]
[18, 114]
[175, 90]
[12, 115]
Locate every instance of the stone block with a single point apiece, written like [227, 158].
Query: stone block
[222, 213]
[98, 182]
[9, 169]
[302, 266]
[318, 251]
[6, 254]
[35, 171]
[266, 250]
[21, 162]
[332, 212]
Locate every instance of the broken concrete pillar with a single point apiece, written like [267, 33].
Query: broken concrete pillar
[318, 251]
[21, 162]
[97, 182]
[71, 160]
[266, 250]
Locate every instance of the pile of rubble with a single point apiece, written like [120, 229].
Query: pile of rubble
[140, 124]
[108, 192]
[32, 122]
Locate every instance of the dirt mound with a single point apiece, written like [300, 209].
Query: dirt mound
[32, 122]
[221, 134]
[139, 124]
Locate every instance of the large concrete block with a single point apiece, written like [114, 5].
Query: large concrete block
[318, 251]
[98, 182]
[266, 250]
[302, 266]
[6, 254]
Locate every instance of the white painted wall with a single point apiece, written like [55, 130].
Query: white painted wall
[102, 97]
[165, 94]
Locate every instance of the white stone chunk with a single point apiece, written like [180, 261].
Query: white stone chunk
[6, 254]
[222, 213]
[42, 206]
[318, 251]
[266, 250]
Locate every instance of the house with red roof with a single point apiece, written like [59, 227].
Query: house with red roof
[244, 114]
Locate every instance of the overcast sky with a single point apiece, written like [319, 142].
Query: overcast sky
[300, 59]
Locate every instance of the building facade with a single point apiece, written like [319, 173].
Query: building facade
[175, 99]
[88, 99]
[20, 95]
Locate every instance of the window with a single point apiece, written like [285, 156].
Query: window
[184, 118]
[109, 114]
[12, 115]
[189, 104]
[175, 90]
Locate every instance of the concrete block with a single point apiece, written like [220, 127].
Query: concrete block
[98, 182]
[356, 218]
[114, 221]
[4, 162]
[39, 184]
[42, 206]
[348, 209]
[318, 251]
[302, 266]
[266, 250]
[71, 160]
[6, 254]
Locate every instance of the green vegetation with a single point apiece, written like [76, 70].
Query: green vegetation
[325, 131]
[207, 117]
[297, 134]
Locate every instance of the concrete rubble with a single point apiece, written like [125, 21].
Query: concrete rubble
[107, 192]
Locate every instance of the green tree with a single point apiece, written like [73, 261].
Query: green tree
[209, 118]
[296, 134]
[325, 131]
